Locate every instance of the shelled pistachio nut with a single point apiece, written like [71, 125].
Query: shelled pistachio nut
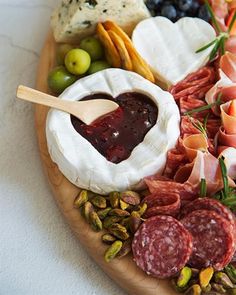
[218, 288]
[124, 205]
[99, 202]
[184, 277]
[222, 278]
[194, 290]
[108, 239]
[205, 276]
[126, 249]
[95, 221]
[178, 289]
[119, 212]
[125, 222]
[81, 199]
[103, 213]
[231, 272]
[130, 197]
[86, 209]
[142, 209]
[134, 222]
[118, 231]
[109, 220]
[114, 198]
[112, 251]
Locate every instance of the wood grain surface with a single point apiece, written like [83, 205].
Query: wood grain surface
[123, 271]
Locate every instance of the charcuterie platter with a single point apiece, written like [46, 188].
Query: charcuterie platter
[149, 188]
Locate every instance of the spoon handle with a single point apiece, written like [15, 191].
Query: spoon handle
[38, 97]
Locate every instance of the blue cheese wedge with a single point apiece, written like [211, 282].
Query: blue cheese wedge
[83, 165]
[75, 19]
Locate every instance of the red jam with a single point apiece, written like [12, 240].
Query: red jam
[115, 135]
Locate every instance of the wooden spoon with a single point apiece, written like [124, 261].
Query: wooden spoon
[87, 111]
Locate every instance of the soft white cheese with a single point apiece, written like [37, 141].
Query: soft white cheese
[170, 48]
[75, 19]
[83, 165]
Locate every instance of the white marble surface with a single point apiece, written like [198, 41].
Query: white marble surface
[38, 253]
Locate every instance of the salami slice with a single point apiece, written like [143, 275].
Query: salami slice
[162, 204]
[213, 240]
[209, 204]
[162, 246]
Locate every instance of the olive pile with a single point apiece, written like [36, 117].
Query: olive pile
[74, 63]
[175, 9]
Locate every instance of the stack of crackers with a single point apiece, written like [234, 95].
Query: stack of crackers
[120, 51]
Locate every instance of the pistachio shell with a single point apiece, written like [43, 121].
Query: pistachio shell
[131, 197]
[113, 250]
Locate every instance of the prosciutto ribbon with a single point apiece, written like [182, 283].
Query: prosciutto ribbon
[194, 143]
[228, 65]
[230, 161]
[229, 122]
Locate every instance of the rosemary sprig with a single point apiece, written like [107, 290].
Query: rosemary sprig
[220, 40]
[205, 121]
[224, 177]
[206, 107]
[203, 188]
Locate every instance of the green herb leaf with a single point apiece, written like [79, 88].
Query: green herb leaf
[232, 22]
[213, 18]
[206, 46]
[215, 50]
[203, 188]
[206, 107]
[224, 177]
[205, 121]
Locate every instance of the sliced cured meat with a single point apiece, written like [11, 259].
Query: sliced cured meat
[162, 204]
[213, 240]
[229, 154]
[193, 144]
[175, 158]
[209, 204]
[229, 122]
[226, 139]
[186, 191]
[228, 65]
[189, 104]
[194, 83]
[162, 246]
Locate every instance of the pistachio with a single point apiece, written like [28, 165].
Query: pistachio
[119, 212]
[184, 277]
[232, 291]
[114, 199]
[205, 276]
[195, 272]
[108, 239]
[231, 272]
[112, 251]
[124, 205]
[81, 199]
[207, 289]
[95, 221]
[194, 290]
[142, 209]
[109, 220]
[211, 293]
[118, 231]
[223, 279]
[126, 249]
[125, 222]
[130, 197]
[86, 209]
[103, 213]
[134, 221]
[219, 288]
[99, 202]
[178, 289]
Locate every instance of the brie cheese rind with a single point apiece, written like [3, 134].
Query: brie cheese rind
[75, 19]
[170, 48]
[83, 165]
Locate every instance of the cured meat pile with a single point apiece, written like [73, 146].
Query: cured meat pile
[203, 235]
[182, 228]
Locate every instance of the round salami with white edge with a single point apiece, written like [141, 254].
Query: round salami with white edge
[162, 246]
[213, 239]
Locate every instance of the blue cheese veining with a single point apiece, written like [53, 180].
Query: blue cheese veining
[75, 19]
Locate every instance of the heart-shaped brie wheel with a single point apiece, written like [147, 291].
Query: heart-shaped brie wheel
[170, 48]
[83, 165]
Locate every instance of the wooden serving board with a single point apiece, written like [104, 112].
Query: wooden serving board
[123, 271]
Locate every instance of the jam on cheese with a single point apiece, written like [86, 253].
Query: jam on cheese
[115, 135]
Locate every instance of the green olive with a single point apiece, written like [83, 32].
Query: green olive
[77, 61]
[59, 79]
[61, 53]
[93, 47]
[97, 66]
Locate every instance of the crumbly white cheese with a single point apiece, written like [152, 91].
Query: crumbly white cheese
[83, 165]
[75, 19]
[170, 48]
